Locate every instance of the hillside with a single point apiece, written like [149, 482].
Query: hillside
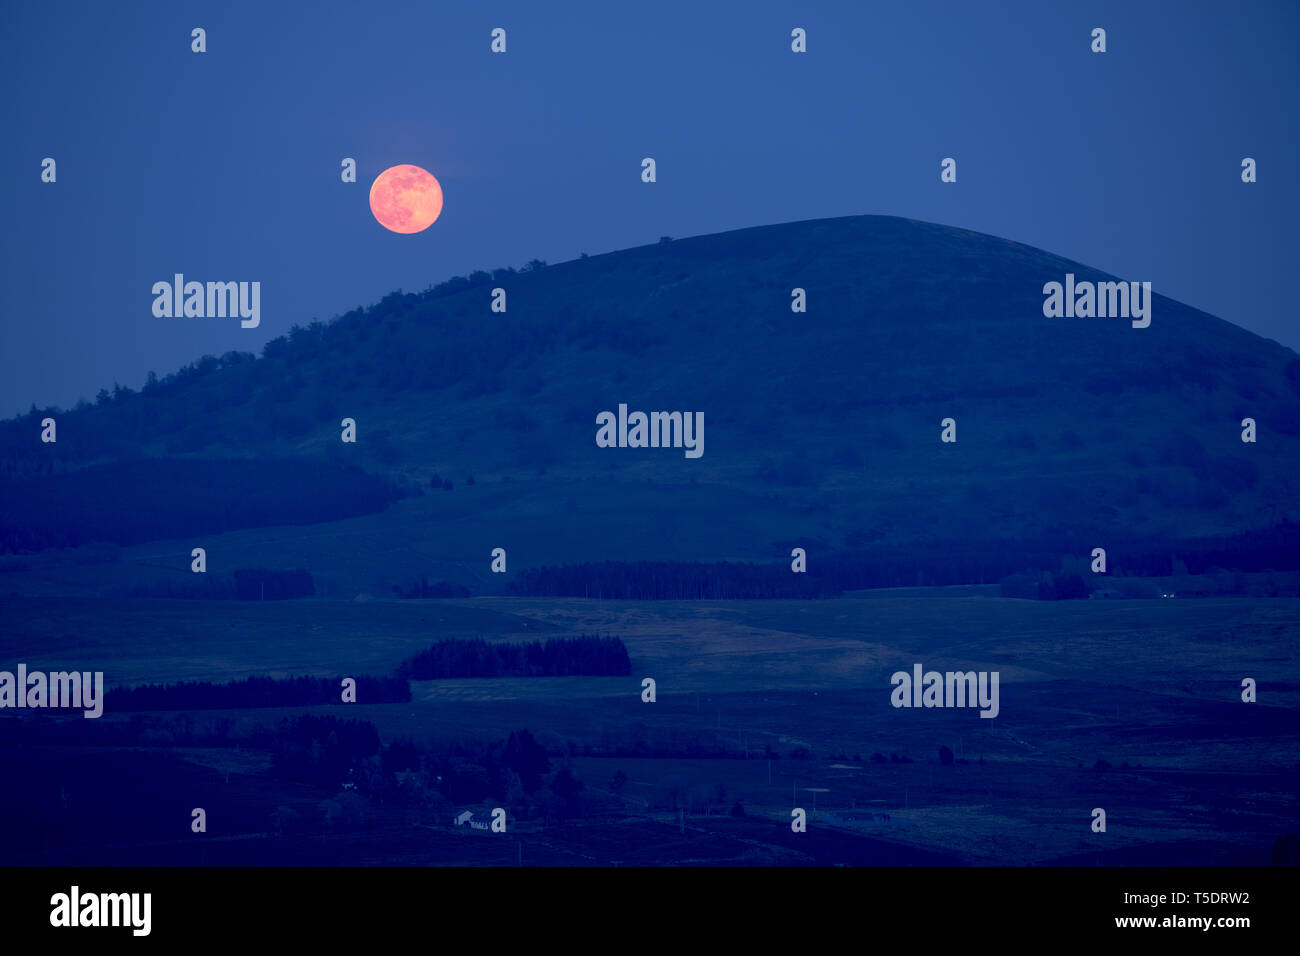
[821, 428]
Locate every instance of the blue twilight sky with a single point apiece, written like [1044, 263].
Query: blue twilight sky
[225, 165]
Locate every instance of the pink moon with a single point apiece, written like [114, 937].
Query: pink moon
[406, 199]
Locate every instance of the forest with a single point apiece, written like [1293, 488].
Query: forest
[558, 657]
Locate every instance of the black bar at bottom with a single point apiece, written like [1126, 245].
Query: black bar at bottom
[332, 905]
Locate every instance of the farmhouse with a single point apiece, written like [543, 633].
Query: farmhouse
[466, 818]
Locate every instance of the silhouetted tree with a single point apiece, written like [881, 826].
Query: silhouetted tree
[526, 757]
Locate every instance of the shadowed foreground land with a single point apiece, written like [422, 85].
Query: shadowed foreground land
[760, 702]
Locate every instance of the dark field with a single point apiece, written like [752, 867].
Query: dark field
[765, 704]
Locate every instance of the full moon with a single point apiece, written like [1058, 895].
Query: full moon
[406, 199]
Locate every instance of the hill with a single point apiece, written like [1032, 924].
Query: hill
[821, 428]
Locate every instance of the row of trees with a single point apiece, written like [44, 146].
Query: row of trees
[563, 656]
[254, 692]
[669, 580]
[831, 572]
[423, 589]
